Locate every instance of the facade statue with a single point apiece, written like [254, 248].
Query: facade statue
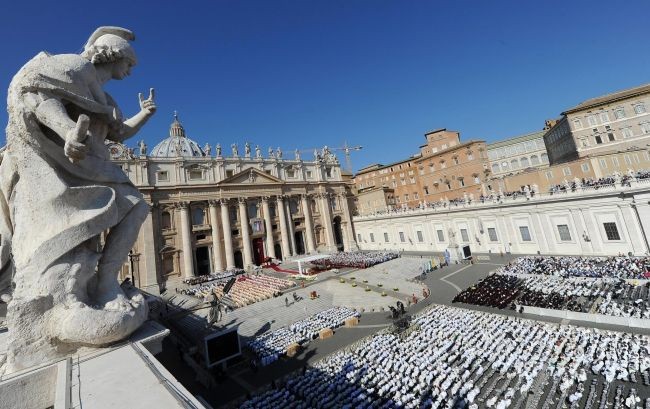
[218, 150]
[247, 150]
[297, 153]
[207, 149]
[143, 148]
[258, 152]
[278, 153]
[316, 155]
[235, 150]
[271, 155]
[63, 194]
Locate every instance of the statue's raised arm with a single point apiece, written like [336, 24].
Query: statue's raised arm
[60, 193]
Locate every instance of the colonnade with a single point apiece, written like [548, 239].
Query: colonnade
[224, 257]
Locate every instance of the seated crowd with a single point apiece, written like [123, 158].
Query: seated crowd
[222, 276]
[457, 358]
[246, 290]
[557, 283]
[355, 259]
[271, 346]
[570, 266]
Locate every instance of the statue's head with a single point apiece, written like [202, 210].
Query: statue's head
[110, 45]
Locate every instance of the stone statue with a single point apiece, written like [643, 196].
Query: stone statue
[278, 153]
[271, 155]
[235, 150]
[207, 149]
[218, 150]
[316, 155]
[247, 150]
[258, 152]
[297, 153]
[143, 148]
[63, 194]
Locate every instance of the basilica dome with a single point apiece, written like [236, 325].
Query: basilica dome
[177, 144]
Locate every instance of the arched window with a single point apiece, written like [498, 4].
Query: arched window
[495, 168]
[198, 216]
[166, 221]
[525, 162]
[514, 164]
[544, 158]
[534, 160]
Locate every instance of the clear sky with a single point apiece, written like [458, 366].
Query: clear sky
[302, 74]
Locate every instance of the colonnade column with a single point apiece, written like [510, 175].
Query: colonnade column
[245, 235]
[347, 219]
[216, 236]
[188, 265]
[284, 233]
[227, 235]
[150, 276]
[270, 247]
[292, 233]
[309, 225]
[326, 220]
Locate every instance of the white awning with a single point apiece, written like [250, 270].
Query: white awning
[308, 259]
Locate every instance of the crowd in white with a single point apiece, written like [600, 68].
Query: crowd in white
[574, 266]
[246, 290]
[271, 346]
[356, 259]
[459, 358]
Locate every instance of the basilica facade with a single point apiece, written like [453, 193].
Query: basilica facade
[212, 211]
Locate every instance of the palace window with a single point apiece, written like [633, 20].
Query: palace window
[604, 117]
[563, 230]
[524, 162]
[308, 174]
[426, 190]
[645, 127]
[372, 237]
[455, 160]
[229, 173]
[615, 162]
[386, 237]
[611, 231]
[619, 113]
[603, 163]
[166, 220]
[627, 132]
[525, 233]
[420, 236]
[196, 174]
[401, 237]
[163, 176]
[534, 160]
[470, 156]
[611, 137]
[464, 236]
[291, 173]
[492, 233]
[198, 216]
[461, 182]
[591, 119]
[585, 167]
[639, 109]
[577, 124]
[359, 237]
[566, 171]
[477, 179]
[598, 139]
[441, 235]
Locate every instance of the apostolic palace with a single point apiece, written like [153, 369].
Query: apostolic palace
[214, 210]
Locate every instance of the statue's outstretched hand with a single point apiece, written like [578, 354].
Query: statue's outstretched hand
[148, 105]
[75, 149]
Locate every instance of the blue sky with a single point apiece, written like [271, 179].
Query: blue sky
[302, 74]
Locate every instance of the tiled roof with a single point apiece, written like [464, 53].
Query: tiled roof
[615, 96]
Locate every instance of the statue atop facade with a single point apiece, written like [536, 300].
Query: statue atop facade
[258, 152]
[247, 150]
[278, 153]
[70, 195]
[143, 148]
[297, 153]
[207, 149]
[235, 150]
[218, 150]
[271, 155]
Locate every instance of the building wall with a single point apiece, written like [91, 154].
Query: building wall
[516, 154]
[584, 214]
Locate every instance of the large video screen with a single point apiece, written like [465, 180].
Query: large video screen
[221, 347]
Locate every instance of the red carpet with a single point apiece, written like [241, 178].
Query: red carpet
[281, 270]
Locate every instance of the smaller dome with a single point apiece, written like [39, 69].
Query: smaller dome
[177, 144]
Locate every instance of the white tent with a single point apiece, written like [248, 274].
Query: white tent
[308, 259]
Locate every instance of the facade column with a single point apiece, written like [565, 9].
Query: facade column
[347, 219]
[149, 277]
[326, 221]
[284, 233]
[270, 246]
[309, 224]
[292, 233]
[216, 236]
[188, 265]
[245, 234]
[227, 235]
